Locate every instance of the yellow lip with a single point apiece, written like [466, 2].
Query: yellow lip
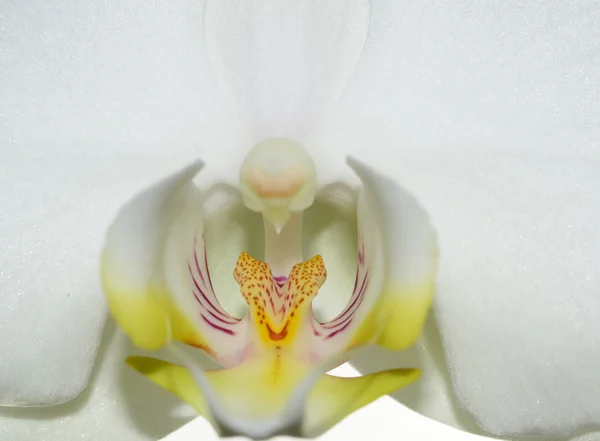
[279, 310]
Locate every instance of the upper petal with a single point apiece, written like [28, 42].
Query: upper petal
[284, 63]
[409, 243]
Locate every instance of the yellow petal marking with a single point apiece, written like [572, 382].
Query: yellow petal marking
[278, 312]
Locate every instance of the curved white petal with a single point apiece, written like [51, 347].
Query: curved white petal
[51, 239]
[395, 271]
[230, 228]
[283, 64]
[409, 244]
[330, 230]
[489, 112]
[155, 272]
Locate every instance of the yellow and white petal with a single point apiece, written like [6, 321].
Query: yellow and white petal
[395, 276]
[155, 272]
[409, 243]
[226, 216]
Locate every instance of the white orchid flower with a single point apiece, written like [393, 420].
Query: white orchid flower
[159, 282]
[486, 111]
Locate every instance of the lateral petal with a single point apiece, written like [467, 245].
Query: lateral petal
[411, 259]
[156, 275]
[396, 268]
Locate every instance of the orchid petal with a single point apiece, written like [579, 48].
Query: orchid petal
[155, 272]
[284, 63]
[411, 257]
[396, 268]
[490, 112]
[329, 229]
[226, 216]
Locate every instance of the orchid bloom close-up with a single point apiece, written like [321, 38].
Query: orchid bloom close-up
[157, 276]
[343, 219]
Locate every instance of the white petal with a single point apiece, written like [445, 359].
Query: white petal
[156, 275]
[395, 270]
[489, 113]
[284, 63]
[58, 205]
[116, 405]
[530, 293]
[96, 100]
[330, 230]
[230, 229]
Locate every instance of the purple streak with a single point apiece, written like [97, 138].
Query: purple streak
[358, 296]
[217, 327]
[336, 332]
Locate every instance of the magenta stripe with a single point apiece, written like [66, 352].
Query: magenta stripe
[206, 299]
[198, 267]
[334, 333]
[344, 323]
[217, 327]
[206, 265]
[336, 321]
[355, 282]
[233, 320]
[315, 331]
[349, 318]
[348, 313]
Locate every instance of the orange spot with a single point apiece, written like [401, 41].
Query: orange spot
[277, 336]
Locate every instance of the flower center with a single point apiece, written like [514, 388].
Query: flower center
[279, 310]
